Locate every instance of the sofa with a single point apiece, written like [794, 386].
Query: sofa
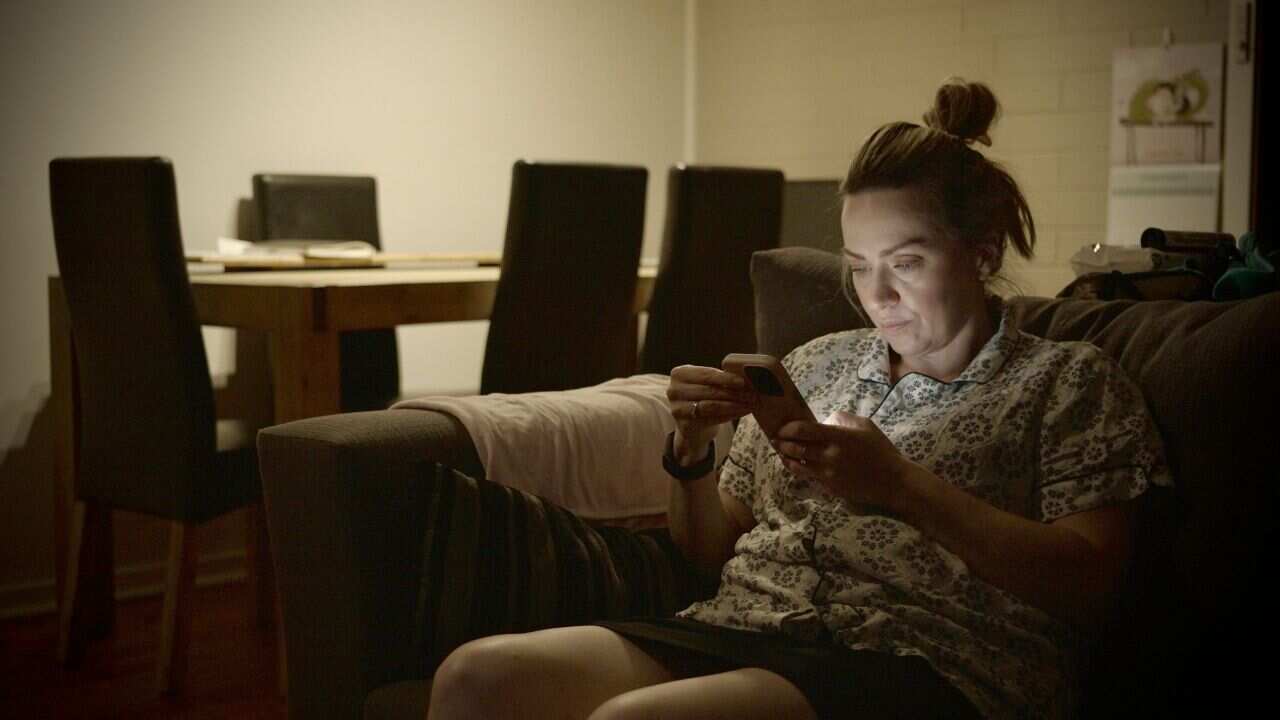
[391, 547]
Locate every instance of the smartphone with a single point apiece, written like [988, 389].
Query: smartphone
[779, 400]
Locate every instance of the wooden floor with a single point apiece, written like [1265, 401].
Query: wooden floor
[232, 666]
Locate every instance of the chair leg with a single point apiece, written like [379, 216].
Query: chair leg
[175, 622]
[261, 571]
[266, 595]
[88, 602]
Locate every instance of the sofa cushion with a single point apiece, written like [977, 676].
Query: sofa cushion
[798, 297]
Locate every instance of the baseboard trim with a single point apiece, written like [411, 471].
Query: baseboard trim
[31, 599]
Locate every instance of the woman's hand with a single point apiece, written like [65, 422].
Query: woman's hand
[851, 457]
[701, 399]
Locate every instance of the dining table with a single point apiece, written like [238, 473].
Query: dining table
[302, 313]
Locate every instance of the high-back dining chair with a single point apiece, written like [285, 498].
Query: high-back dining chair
[149, 441]
[702, 306]
[336, 207]
[562, 316]
[811, 214]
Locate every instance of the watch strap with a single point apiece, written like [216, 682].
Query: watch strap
[685, 473]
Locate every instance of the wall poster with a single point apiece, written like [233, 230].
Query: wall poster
[1166, 140]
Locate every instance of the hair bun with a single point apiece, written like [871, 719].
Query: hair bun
[964, 109]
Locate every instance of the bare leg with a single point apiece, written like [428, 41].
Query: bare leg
[738, 694]
[556, 673]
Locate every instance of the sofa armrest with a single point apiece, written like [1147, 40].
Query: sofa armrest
[387, 559]
[342, 494]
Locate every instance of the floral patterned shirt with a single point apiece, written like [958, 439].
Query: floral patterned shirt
[1038, 428]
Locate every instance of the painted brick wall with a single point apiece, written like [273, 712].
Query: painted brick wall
[798, 84]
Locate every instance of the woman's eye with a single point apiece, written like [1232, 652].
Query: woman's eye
[857, 271]
[906, 265]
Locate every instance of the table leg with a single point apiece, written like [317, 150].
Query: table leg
[305, 375]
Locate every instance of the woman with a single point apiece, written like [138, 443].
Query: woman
[933, 548]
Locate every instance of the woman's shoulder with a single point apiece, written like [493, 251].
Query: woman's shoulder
[1058, 356]
[1080, 350]
[837, 344]
[829, 361]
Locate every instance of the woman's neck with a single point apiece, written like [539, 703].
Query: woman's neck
[950, 362]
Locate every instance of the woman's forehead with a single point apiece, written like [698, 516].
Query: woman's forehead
[887, 217]
[908, 201]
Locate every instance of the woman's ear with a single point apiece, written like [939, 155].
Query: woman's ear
[986, 257]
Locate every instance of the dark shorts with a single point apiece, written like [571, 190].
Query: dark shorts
[837, 681]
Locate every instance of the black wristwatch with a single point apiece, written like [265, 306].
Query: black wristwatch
[685, 473]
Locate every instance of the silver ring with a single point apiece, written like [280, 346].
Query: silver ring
[695, 409]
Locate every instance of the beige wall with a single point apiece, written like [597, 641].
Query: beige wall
[436, 99]
[799, 85]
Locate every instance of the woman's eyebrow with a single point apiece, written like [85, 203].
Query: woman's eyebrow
[888, 251]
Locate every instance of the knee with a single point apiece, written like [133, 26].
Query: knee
[627, 706]
[477, 679]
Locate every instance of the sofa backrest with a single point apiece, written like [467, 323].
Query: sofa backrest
[1205, 370]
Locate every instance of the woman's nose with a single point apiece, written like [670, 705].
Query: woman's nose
[882, 290]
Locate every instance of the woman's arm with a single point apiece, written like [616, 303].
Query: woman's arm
[1067, 568]
[705, 521]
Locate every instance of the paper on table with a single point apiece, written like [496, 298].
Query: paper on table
[243, 248]
[329, 249]
[344, 249]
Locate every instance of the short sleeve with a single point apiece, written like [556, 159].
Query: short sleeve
[738, 474]
[1098, 443]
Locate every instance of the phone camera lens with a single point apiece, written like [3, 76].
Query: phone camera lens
[763, 381]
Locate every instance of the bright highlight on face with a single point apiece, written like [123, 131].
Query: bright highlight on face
[916, 280]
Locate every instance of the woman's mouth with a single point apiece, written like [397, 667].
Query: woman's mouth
[893, 325]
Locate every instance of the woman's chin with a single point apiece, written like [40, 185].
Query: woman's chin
[902, 347]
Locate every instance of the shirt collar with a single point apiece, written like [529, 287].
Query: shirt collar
[998, 348]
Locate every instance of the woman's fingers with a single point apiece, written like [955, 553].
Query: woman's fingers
[703, 394]
[701, 375]
[811, 432]
[791, 449]
[853, 460]
[719, 410]
[807, 453]
[702, 398]
[693, 378]
[711, 389]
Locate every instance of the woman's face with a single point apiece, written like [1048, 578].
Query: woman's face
[916, 281]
